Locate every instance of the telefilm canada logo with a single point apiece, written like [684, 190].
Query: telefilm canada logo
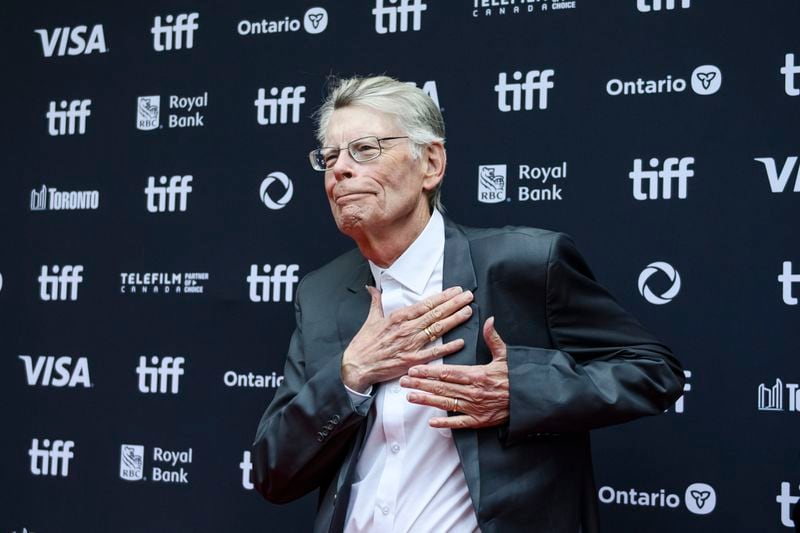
[493, 8]
[163, 282]
[51, 199]
[276, 190]
[534, 183]
[698, 498]
[184, 111]
[167, 466]
[314, 21]
[704, 80]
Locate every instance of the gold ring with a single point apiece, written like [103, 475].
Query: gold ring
[455, 404]
[429, 333]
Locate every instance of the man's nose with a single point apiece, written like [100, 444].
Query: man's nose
[343, 167]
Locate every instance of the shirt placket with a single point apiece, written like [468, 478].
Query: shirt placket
[393, 426]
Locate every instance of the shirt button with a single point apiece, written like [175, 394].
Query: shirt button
[395, 448]
[385, 509]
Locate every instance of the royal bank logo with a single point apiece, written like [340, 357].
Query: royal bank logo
[148, 109]
[52, 371]
[704, 80]
[175, 32]
[51, 458]
[163, 282]
[172, 466]
[665, 270]
[276, 190]
[787, 279]
[185, 111]
[275, 109]
[779, 180]
[62, 284]
[272, 284]
[493, 8]
[68, 117]
[50, 198]
[698, 498]
[658, 182]
[161, 376]
[646, 6]
[246, 466]
[787, 500]
[315, 20]
[790, 70]
[392, 16]
[165, 198]
[779, 397]
[492, 183]
[72, 41]
[524, 95]
[131, 462]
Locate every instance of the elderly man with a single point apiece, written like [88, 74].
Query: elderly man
[401, 401]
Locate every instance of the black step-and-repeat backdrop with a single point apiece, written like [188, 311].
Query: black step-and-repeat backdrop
[158, 210]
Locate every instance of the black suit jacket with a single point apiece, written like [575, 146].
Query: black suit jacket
[576, 360]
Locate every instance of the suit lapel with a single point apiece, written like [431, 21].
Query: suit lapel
[459, 271]
[354, 305]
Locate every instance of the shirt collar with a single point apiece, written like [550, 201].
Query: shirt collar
[415, 266]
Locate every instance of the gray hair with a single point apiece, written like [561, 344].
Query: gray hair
[415, 112]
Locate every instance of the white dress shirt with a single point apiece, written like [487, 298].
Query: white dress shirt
[409, 476]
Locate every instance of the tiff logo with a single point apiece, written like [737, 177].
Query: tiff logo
[788, 279]
[72, 41]
[162, 377]
[786, 500]
[247, 466]
[665, 176]
[283, 276]
[679, 407]
[645, 6]
[276, 110]
[68, 117]
[771, 398]
[164, 198]
[535, 81]
[779, 181]
[56, 371]
[62, 281]
[395, 12]
[172, 35]
[789, 71]
[46, 462]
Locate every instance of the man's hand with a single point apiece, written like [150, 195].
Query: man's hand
[478, 392]
[386, 347]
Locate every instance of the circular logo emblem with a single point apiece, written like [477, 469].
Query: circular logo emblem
[706, 79]
[669, 294]
[288, 190]
[315, 20]
[700, 498]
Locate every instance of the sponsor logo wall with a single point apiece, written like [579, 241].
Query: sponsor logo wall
[147, 295]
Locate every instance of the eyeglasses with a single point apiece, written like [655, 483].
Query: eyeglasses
[361, 150]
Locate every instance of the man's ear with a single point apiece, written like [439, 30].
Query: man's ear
[434, 159]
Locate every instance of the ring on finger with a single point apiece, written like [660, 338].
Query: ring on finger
[431, 335]
[455, 404]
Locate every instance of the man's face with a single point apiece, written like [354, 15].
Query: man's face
[377, 195]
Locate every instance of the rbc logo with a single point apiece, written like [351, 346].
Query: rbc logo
[131, 462]
[282, 276]
[162, 377]
[665, 176]
[68, 117]
[76, 36]
[288, 190]
[394, 12]
[62, 284]
[278, 107]
[172, 35]
[491, 183]
[52, 462]
[535, 81]
[147, 111]
[163, 198]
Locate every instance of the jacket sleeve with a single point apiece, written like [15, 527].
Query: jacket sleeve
[305, 433]
[604, 368]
